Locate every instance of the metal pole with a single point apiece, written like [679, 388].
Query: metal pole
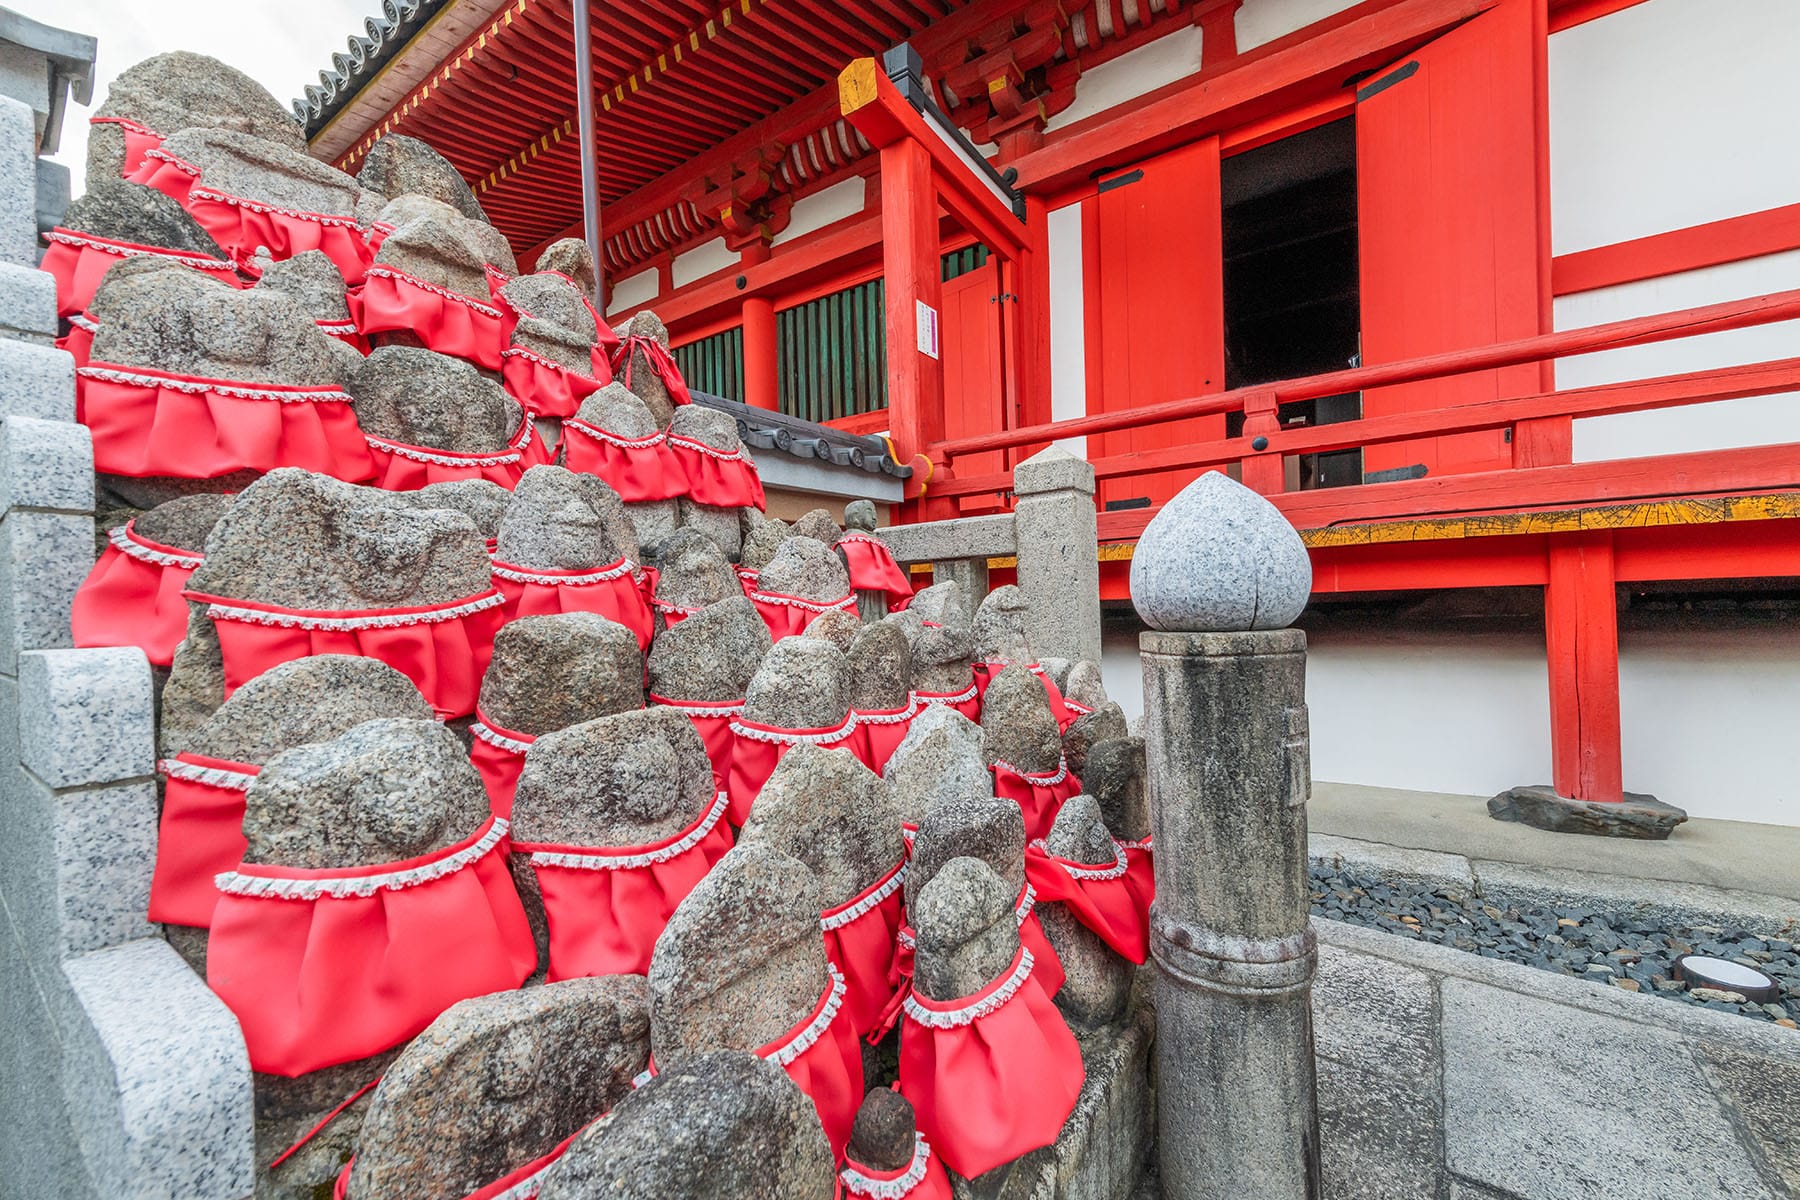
[584, 116]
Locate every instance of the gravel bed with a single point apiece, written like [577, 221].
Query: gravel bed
[1609, 948]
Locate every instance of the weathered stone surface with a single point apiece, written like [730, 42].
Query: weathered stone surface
[554, 320]
[1084, 684]
[562, 520]
[654, 521]
[830, 812]
[1097, 981]
[1017, 726]
[741, 961]
[880, 667]
[721, 1124]
[307, 700]
[618, 410]
[967, 934]
[176, 91]
[699, 423]
[266, 172]
[805, 568]
[719, 524]
[1637, 816]
[818, 525]
[302, 540]
[170, 318]
[184, 522]
[131, 212]
[433, 242]
[195, 687]
[1107, 721]
[837, 627]
[386, 790]
[623, 780]
[397, 165]
[802, 683]
[570, 257]
[943, 604]
[646, 383]
[311, 279]
[988, 829]
[554, 671]
[515, 1073]
[885, 1131]
[941, 658]
[694, 571]
[1000, 627]
[711, 655]
[1114, 776]
[939, 762]
[1219, 557]
[860, 515]
[482, 501]
[761, 543]
[428, 399]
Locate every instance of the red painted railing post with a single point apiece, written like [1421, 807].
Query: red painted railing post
[1262, 471]
[1581, 636]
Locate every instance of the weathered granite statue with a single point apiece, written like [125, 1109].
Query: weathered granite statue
[761, 543]
[939, 762]
[837, 627]
[267, 172]
[818, 525]
[397, 165]
[554, 671]
[629, 779]
[806, 569]
[562, 520]
[711, 655]
[1017, 727]
[432, 401]
[555, 321]
[641, 377]
[802, 683]
[830, 812]
[618, 411]
[880, 668]
[167, 93]
[1097, 979]
[129, 212]
[1000, 627]
[987, 829]
[713, 428]
[694, 571]
[571, 257]
[433, 242]
[963, 922]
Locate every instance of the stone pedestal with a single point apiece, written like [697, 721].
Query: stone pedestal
[1059, 571]
[1225, 730]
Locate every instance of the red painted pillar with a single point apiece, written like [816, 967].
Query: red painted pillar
[762, 369]
[1581, 634]
[913, 279]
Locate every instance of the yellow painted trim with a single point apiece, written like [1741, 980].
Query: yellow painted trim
[856, 85]
[1712, 510]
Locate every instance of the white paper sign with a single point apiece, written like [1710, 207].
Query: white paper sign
[928, 329]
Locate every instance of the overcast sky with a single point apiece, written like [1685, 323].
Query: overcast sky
[282, 44]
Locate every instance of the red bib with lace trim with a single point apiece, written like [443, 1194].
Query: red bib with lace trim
[139, 140]
[639, 469]
[445, 321]
[499, 757]
[879, 732]
[544, 386]
[241, 226]
[921, 1179]
[1112, 899]
[400, 467]
[992, 1076]
[328, 966]
[133, 596]
[605, 906]
[79, 342]
[873, 569]
[346, 332]
[984, 673]
[147, 422]
[712, 721]
[715, 477]
[171, 176]
[859, 938]
[662, 363]
[201, 835]
[1039, 794]
[760, 747]
[788, 616]
[823, 1055]
[966, 701]
[80, 260]
[747, 577]
[443, 648]
[612, 591]
[1033, 938]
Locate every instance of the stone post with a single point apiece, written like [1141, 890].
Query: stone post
[1059, 567]
[1216, 575]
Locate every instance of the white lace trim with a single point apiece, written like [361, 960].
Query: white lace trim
[180, 164]
[486, 733]
[962, 697]
[702, 448]
[880, 717]
[613, 439]
[534, 356]
[1027, 902]
[785, 737]
[219, 777]
[194, 387]
[1141, 844]
[1078, 871]
[906, 939]
[867, 904]
[703, 709]
[130, 547]
[126, 122]
[236, 883]
[446, 460]
[642, 1077]
[968, 1014]
[206, 193]
[257, 616]
[623, 567]
[669, 606]
[1040, 778]
[897, 1187]
[858, 537]
[527, 1188]
[847, 603]
[344, 328]
[83, 321]
[486, 310]
[635, 862]
[197, 261]
[814, 1029]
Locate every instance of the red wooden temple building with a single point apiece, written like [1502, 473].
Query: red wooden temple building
[1493, 298]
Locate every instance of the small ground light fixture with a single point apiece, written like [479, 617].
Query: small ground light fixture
[1699, 970]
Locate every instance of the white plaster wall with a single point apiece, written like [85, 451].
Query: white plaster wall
[1261, 21]
[633, 292]
[1169, 58]
[1671, 113]
[843, 199]
[1068, 329]
[1752, 421]
[702, 261]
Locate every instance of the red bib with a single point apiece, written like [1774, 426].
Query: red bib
[241, 226]
[879, 732]
[873, 569]
[639, 469]
[444, 648]
[1059, 708]
[760, 747]
[80, 260]
[201, 834]
[824, 1056]
[499, 757]
[611, 591]
[789, 616]
[606, 906]
[992, 1076]
[346, 332]
[967, 701]
[1039, 794]
[712, 721]
[171, 176]
[133, 596]
[662, 364]
[717, 478]
[328, 966]
[400, 467]
[859, 938]
[445, 321]
[139, 140]
[544, 386]
[147, 422]
[1112, 899]
[1032, 937]
[79, 342]
[921, 1179]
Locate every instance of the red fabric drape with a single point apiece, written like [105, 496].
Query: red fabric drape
[1032, 937]
[760, 747]
[443, 648]
[241, 226]
[79, 342]
[545, 387]
[712, 721]
[140, 139]
[132, 597]
[873, 569]
[879, 733]
[328, 966]
[499, 757]
[612, 591]
[200, 835]
[823, 1055]
[1059, 708]
[967, 701]
[79, 261]
[787, 616]
[400, 467]
[921, 1179]
[717, 478]
[171, 176]
[147, 422]
[346, 332]
[448, 322]
[639, 469]
[859, 938]
[1112, 899]
[991, 1076]
[605, 906]
[662, 363]
[1039, 794]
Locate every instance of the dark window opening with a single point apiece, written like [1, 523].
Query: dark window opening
[1291, 296]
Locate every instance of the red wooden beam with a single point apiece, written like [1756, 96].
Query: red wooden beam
[1736, 238]
[1450, 563]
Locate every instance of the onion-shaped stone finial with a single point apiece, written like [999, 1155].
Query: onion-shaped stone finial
[1219, 558]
